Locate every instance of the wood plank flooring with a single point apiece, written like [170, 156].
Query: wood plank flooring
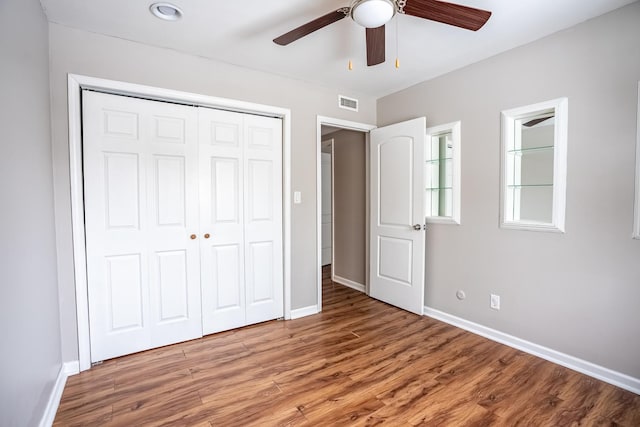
[358, 363]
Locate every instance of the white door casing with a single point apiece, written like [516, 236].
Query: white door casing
[241, 211]
[327, 220]
[397, 252]
[76, 84]
[140, 180]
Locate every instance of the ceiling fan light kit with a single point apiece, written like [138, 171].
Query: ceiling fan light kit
[372, 13]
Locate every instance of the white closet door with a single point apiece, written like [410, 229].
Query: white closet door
[241, 210]
[221, 135]
[263, 218]
[140, 185]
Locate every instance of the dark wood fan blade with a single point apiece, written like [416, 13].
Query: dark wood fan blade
[465, 17]
[536, 121]
[375, 46]
[310, 27]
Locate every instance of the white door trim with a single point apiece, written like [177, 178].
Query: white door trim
[332, 237]
[76, 83]
[333, 212]
[344, 124]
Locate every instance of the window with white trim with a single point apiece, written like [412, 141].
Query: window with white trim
[534, 164]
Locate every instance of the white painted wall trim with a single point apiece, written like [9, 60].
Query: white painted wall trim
[75, 85]
[348, 283]
[456, 136]
[71, 368]
[304, 311]
[67, 369]
[636, 216]
[77, 220]
[333, 215]
[560, 107]
[596, 371]
[339, 123]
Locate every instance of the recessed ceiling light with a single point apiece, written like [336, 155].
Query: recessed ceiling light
[166, 11]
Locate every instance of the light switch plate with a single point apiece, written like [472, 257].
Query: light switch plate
[297, 197]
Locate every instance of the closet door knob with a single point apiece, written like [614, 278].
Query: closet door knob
[193, 237]
[207, 235]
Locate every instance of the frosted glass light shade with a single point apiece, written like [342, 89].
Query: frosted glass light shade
[373, 13]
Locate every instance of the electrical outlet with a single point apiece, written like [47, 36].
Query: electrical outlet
[495, 302]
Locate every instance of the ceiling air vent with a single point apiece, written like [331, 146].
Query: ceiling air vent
[347, 103]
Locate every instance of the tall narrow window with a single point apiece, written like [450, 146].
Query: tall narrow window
[534, 140]
[442, 174]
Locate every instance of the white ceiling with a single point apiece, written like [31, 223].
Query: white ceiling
[241, 33]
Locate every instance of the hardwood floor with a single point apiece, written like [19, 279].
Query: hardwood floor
[358, 363]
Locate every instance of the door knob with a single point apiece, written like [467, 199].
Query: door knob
[207, 235]
[417, 227]
[193, 237]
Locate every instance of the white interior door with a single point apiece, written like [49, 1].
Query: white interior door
[241, 211]
[221, 135]
[140, 185]
[326, 208]
[397, 214]
[263, 218]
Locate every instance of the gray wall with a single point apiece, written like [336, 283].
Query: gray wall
[349, 220]
[30, 358]
[577, 292]
[79, 52]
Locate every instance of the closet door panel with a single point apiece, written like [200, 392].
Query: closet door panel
[124, 297]
[260, 273]
[172, 197]
[222, 288]
[263, 218]
[122, 190]
[170, 191]
[140, 160]
[221, 217]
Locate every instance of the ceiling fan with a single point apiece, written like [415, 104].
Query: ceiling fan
[537, 121]
[374, 14]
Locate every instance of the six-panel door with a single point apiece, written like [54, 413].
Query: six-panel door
[140, 185]
[183, 221]
[241, 209]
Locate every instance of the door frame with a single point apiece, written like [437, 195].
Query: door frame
[331, 141]
[75, 84]
[349, 125]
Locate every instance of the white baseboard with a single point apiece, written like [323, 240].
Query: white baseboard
[304, 311]
[610, 376]
[66, 370]
[71, 368]
[348, 283]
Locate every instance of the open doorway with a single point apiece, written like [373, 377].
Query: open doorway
[343, 200]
